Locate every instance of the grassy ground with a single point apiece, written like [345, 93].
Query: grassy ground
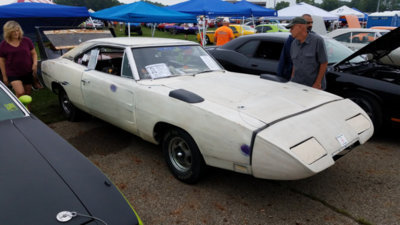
[45, 106]
[45, 103]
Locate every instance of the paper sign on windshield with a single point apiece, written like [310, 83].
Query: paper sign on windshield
[158, 70]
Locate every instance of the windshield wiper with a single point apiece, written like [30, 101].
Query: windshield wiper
[207, 71]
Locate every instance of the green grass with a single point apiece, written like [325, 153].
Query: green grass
[45, 103]
[45, 106]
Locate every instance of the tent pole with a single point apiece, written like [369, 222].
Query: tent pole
[242, 25]
[154, 29]
[91, 20]
[199, 29]
[129, 29]
[204, 31]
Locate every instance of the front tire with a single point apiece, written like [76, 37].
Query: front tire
[183, 156]
[68, 109]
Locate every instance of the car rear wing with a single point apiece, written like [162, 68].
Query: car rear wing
[55, 41]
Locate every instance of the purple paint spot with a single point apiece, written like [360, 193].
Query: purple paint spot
[245, 149]
[113, 88]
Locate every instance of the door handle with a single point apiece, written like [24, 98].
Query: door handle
[85, 82]
[254, 65]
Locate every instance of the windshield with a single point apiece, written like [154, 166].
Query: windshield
[8, 108]
[337, 52]
[159, 62]
[248, 28]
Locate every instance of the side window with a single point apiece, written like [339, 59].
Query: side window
[269, 50]
[126, 67]
[267, 28]
[110, 60]
[83, 58]
[233, 29]
[248, 48]
[343, 37]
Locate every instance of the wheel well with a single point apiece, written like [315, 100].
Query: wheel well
[370, 94]
[56, 87]
[161, 128]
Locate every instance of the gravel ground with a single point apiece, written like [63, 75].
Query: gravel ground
[361, 188]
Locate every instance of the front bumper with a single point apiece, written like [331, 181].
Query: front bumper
[307, 143]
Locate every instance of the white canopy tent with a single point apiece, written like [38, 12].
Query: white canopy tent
[290, 12]
[345, 10]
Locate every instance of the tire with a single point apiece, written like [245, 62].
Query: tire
[370, 105]
[183, 156]
[68, 109]
[207, 40]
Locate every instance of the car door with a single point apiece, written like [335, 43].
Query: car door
[107, 87]
[263, 57]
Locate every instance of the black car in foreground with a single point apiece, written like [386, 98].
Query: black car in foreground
[359, 75]
[46, 181]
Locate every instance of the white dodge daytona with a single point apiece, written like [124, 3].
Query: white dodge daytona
[173, 93]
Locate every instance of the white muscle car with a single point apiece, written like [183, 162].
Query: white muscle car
[171, 92]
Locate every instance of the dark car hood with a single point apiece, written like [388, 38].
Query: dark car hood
[33, 193]
[378, 48]
[41, 175]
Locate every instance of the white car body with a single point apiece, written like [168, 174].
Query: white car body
[356, 38]
[255, 126]
[347, 36]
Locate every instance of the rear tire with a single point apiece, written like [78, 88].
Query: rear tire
[69, 110]
[183, 156]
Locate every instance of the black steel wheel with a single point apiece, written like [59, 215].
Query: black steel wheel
[183, 156]
[68, 109]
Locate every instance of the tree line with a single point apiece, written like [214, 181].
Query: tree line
[362, 5]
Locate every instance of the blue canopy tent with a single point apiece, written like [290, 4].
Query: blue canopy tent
[256, 10]
[210, 8]
[142, 12]
[29, 15]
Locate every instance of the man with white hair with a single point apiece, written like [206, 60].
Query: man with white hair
[223, 34]
[308, 55]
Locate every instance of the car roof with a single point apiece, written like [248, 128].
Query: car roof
[343, 30]
[277, 36]
[378, 48]
[141, 41]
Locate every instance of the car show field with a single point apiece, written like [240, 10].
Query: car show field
[139, 118]
[362, 188]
